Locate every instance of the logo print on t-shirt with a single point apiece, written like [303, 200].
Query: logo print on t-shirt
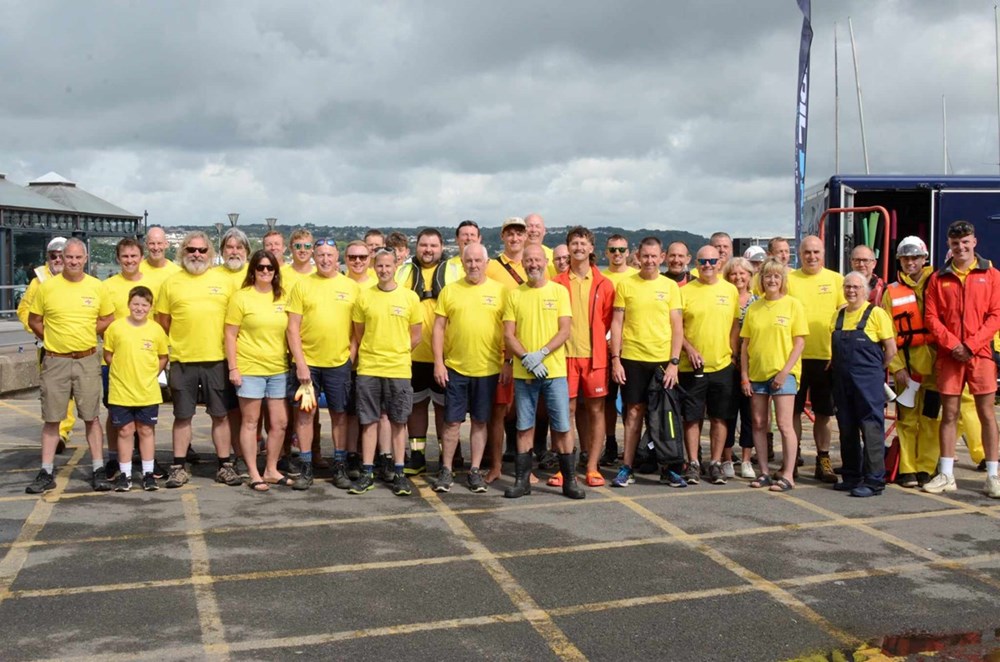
[489, 300]
[87, 301]
[147, 344]
[661, 296]
[825, 289]
[780, 320]
[214, 289]
[279, 307]
[341, 296]
[397, 310]
[549, 304]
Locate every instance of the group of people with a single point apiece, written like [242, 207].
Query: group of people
[530, 338]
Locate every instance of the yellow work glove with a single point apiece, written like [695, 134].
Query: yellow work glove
[305, 397]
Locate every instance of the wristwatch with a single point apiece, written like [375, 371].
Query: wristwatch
[675, 361]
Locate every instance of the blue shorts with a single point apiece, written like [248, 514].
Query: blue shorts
[334, 383]
[790, 387]
[469, 395]
[105, 376]
[122, 416]
[258, 387]
[556, 394]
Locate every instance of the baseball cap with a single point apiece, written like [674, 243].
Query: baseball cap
[911, 247]
[513, 221]
[56, 244]
[755, 254]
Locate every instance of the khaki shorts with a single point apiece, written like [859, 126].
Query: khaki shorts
[65, 378]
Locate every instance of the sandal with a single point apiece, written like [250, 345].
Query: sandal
[594, 479]
[284, 481]
[782, 485]
[555, 480]
[259, 486]
[762, 480]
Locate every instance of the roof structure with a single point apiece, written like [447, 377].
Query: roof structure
[58, 189]
[13, 195]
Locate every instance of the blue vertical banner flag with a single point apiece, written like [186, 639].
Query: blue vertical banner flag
[802, 113]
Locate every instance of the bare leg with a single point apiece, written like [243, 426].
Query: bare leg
[783, 408]
[634, 415]
[250, 416]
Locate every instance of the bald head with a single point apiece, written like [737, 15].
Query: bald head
[535, 226]
[708, 264]
[811, 254]
[156, 246]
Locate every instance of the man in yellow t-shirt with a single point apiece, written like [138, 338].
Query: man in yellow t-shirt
[358, 256]
[321, 341]
[235, 249]
[191, 309]
[707, 372]
[647, 332]
[301, 244]
[616, 250]
[467, 340]
[53, 266]
[67, 314]
[156, 268]
[425, 274]
[536, 321]
[387, 320]
[821, 292]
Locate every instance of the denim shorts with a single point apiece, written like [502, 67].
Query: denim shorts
[790, 387]
[257, 387]
[556, 394]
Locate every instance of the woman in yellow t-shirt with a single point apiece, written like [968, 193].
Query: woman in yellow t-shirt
[257, 355]
[774, 334]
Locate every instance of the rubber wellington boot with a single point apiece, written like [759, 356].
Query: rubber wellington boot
[522, 474]
[567, 465]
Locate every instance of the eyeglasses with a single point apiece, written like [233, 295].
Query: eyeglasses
[618, 249]
[299, 247]
[852, 287]
[201, 250]
[357, 257]
[862, 259]
[561, 258]
[325, 242]
[710, 261]
[264, 267]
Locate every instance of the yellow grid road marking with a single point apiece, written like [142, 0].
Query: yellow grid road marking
[213, 636]
[33, 415]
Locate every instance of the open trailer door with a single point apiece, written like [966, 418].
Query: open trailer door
[981, 207]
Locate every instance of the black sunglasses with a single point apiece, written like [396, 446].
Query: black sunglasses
[196, 249]
[618, 249]
[264, 267]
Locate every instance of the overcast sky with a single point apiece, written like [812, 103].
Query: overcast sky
[638, 114]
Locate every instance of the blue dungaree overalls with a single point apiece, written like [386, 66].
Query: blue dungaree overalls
[858, 378]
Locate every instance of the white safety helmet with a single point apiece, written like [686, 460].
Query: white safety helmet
[911, 247]
[755, 254]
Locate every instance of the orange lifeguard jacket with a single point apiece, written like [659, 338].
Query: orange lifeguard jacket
[907, 318]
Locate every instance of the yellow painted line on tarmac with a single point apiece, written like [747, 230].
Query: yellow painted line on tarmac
[36, 520]
[989, 511]
[658, 599]
[539, 619]
[213, 637]
[782, 596]
[33, 415]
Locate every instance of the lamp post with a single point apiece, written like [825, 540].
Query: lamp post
[233, 217]
[271, 222]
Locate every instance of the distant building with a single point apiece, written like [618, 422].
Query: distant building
[50, 206]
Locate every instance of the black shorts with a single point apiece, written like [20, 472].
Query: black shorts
[637, 376]
[817, 385]
[201, 381]
[424, 385]
[709, 390]
[469, 395]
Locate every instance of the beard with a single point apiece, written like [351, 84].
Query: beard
[194, 266]
[234, 262]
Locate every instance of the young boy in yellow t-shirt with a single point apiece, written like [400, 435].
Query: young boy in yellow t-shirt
[135, 350]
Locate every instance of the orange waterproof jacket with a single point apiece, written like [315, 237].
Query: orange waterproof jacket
[602, 301]
[966, 313]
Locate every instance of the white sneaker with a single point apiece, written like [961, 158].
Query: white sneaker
[940, 483]
[992, 489]
[727, 470]
[746, 471]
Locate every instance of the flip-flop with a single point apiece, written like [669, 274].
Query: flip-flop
[594, 479]
[762, 480]
[782, 485]
[556, 480]
[257, 485]
[284, 481]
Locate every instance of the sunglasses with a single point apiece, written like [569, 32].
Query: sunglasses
[385, 251]
[196, 249]
[618, 249]
[55, 255]
[357, 257]
[711, 261]
[326, 242]
[297, 246]
[264, 267]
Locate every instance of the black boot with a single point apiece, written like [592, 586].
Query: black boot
[567, 465]
[522, 475]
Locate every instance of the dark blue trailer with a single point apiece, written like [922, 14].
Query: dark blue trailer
[921, 205]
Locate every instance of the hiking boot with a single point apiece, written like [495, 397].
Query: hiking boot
[992, 487]
[907, 480]
[401, 485]
[693, 473]
[44, 481]
[354, 466]
[444, 480]
[227, 474]
[178, 476]
[940, 483]
[415, 465]
[671, 478]
[387, 472]
[122, 482]
[567, 467]
[149, 482]
[824, 470]
[305, 479]
[715, 476]
[100, 481]
[522, 473]
[610, 456]
[340, 478]
[365, 482]
[475, 482]
[624, 478]
[111, 469]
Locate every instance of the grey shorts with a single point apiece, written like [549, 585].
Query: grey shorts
[376, 395]
[201, 381]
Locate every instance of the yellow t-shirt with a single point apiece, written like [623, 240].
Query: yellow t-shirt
[387, 316]
[878, 328]
[709, 313]
[771, 327]
[260, 344]
[369, 282]
[619, 276]
[118, 287]
[70, 311]
[325, 305]
[496, 271]
[197, 307]
[132, 377]
[236, 276]
[473, 336]
[289, 277]
[821, 296]
[578, 345]
[536, 311]
[153, 277]
[551, 268]
[646, 333]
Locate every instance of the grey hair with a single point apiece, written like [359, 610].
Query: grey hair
[239, 235]
[75, 241]
[864, 281]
